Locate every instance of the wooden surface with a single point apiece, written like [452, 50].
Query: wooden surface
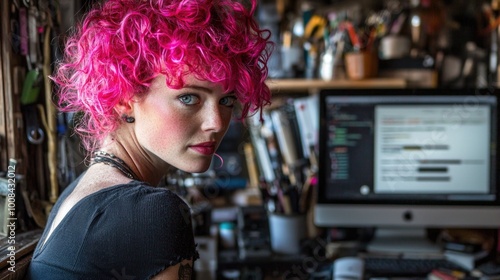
[314, 85]
[25, 244]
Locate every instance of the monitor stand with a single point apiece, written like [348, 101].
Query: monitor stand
[403, 241]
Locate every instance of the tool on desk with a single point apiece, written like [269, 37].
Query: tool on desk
[253, 232]
[348, 268]
[445, 273]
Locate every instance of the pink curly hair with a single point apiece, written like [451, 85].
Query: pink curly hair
[122, 45]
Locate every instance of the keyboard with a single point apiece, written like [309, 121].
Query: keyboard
[379, 266]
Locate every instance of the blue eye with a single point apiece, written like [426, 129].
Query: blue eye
[189, 99]
[228, 101]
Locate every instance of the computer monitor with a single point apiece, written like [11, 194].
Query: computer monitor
[408, 159]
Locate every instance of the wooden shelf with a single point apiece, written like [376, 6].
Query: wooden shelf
[314, 85]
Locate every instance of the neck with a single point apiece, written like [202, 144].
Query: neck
[146, 166]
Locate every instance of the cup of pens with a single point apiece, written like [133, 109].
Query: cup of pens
[287, 232]
[361, 65]
[287, 206]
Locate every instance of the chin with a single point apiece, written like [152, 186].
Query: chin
[196, 168]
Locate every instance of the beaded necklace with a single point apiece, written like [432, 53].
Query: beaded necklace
[113, 161]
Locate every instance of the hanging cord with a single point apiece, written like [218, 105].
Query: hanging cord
[50, 117]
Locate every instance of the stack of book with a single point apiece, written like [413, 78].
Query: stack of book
[468, 261]
[469, 256]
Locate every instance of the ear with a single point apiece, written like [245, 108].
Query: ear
[124, 108]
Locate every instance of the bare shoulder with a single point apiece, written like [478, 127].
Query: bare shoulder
[100, 177]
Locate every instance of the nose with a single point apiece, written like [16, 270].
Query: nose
[215, 119]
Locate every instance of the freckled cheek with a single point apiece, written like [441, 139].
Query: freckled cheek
[165, 131]
[177, 125]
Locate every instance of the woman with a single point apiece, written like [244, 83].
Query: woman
[155, 83]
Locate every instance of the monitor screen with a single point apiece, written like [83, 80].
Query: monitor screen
[408, 158]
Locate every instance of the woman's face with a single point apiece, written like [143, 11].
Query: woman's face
[183, 127]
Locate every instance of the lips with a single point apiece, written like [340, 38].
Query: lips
[205, 148]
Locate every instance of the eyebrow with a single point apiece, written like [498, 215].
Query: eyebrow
[205, 89]
[202, 88]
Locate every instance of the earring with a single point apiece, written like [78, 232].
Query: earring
[128, 119]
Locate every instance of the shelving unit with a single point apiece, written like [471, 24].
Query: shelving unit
[278, 86]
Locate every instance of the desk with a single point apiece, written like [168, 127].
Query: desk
[307, 265]
[301, 266]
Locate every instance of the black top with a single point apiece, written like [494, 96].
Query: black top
[127, 231]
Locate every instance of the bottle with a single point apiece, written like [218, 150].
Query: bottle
[416, 30]
[227, 235]
[427, 18]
